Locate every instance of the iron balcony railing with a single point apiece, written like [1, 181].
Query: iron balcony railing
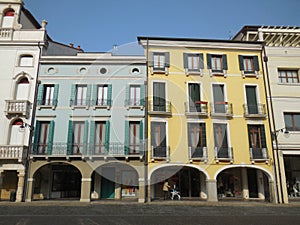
[196, 108]
[259, 154]
[197, 153]
[13, 152]
[224, 154]
[221, 109]
[258, 111]
[162, 108]
[47, 102]
[18, 107]
[160, 152]
[87, 149]
[134, 102]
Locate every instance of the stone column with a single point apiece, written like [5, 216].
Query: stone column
[260, 185]
[211, 187]
[85, 189]
[141, 197]
[1, 180]
[20, 187]
[29, 189]
[203, 192]
[245, 183]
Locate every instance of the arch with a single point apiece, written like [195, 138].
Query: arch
[17, 121]
[23, 80]
[9, 12]
[57, 180]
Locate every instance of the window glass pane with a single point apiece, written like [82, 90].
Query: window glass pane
[297, 122]
[288, 121]
[159, 61]
[134, 95]
[49, 92]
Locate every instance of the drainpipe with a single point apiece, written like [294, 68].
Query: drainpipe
[273, 130]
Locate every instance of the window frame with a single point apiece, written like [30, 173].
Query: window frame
[165, 62]
[286, 77]
[294, 126]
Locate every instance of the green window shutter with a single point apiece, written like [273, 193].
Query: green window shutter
[92, 138]
[203, 126]
[55, 95]
[263, 136]
[73, 94]
[94, 94]
[142, 95]
[208, 58]
[85, 136]
[127, 95]
[88, 94]
[40, 94]
[36, 137]
[107, 132]
[185, 60]
[109, 94]
[167, 59]
[70, 138]
[256, 63]
[249, 135]
[224, 59]
[201, 61]
[50, 138]
[151, 59]
[126, 136]
[241, 62]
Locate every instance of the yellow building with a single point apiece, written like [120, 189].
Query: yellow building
[208, 129]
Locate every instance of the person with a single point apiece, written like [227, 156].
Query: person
[166, 189]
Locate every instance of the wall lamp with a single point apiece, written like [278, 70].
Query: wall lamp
[23, 125]
[276, 132]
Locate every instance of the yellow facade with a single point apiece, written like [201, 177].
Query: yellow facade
[210, 168]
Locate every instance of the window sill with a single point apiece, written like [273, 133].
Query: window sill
[217, 73]
[101, 107]
[80, 107]
[159, 71]
[53, 107]
[193, 72]
[289, 84]
[250, 74]
[141, 107]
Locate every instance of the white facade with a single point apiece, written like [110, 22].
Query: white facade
[21, 43]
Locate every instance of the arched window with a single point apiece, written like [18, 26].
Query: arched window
[8, 18]
[16, 137]
[26, 60]
[22, 89]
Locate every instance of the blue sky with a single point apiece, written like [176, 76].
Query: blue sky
[96, 25]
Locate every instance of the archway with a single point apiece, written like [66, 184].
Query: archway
[57, 181]
[115, 181]
[188, 180]
[243, 183]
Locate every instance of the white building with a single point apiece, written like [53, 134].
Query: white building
[282, 65]
[21, 42]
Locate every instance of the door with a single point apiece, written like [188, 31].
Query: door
[219, 98]
[194, 98]
[251, 99]
[159, 97]
[16, 135]
[108, 183]
[158, 139]
[252, 183]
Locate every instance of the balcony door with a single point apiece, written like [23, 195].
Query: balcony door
[251, 99]
[8, 19]
[194, 98]
[22, 89]
[158, 139]
[16, 136]
[159, 96]
[219, 98]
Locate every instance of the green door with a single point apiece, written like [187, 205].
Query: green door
[251, 100]
[108, 183]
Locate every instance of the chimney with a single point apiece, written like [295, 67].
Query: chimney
[71, 45]
[78, 47]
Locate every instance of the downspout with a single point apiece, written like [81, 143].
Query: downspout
[146, 127]
[272, 126]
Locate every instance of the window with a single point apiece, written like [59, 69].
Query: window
[193, 63]
[135, 137]
[257, 141]
[43, 138]
[249, 64]
[196, 139]
[219, 98]
[48, 95]
[80, 95]
[194, 97]
[135, 95]
[159, 96]
[158, 139]
[102, 96]
[8, 19]
[77, 137]
[252, 106]
[217, 63]
[159, 61]
[221, 141]
[288, 76]
[292, 121]
[81, 91]
[99, 140]
[26, 60]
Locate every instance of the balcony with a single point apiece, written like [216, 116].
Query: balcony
[198, 153]
[160, 153]
[6, 33]
[198, 108]
[13, 152]
[17, 107]
[10, 34]
[259, 154]
[162, 109]
[90, 150]
[255, 111]
[224, 154]
[221, 109]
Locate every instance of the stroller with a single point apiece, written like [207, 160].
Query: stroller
[175, 194]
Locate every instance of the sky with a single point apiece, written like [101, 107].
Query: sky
[98, 25]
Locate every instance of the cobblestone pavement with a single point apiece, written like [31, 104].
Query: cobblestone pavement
[159, 212]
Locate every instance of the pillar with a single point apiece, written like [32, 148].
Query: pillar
[260, 184]
[245, 183]
[283, 188]
[20, 187]
[29, 189]
[1, 180]
[141, 197]
[211, 186]
[203, 193]
[85, 189]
